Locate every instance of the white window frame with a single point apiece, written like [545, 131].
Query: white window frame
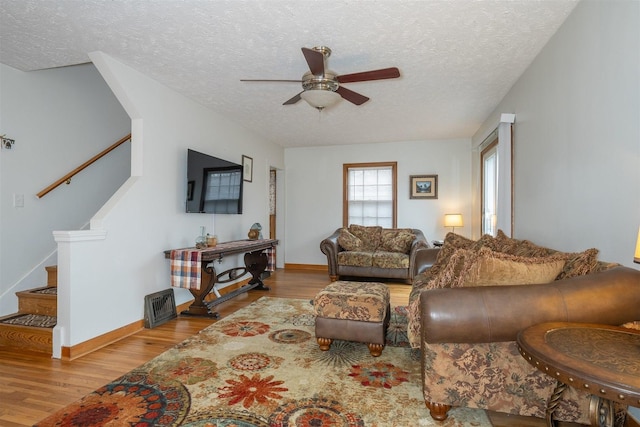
[504, 219]
[375, 206]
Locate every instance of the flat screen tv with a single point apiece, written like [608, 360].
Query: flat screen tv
[214, 185]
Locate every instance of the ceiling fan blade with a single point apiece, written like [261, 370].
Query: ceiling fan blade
[293, 100]
[352, 96]
[267, 80]
[385, 73]
[315, 60]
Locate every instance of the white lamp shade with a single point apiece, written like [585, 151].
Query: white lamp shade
[320, 98]
[636, 257]
[453, 220]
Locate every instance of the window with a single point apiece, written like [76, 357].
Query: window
[490, 188]
[496, 179]
[370, 194]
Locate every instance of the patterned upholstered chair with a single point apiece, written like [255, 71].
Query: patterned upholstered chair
[466, 328]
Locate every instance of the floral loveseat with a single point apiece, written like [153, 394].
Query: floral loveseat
[373, 252]
[467, 308]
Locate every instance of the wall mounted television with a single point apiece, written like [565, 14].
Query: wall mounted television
[214, 185]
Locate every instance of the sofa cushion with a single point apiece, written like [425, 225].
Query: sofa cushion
[355, 258]
[399, 240]
[361, 301]
[490, 268]
[382, 259]
[348, 241]
[580, 264]
[369, 235]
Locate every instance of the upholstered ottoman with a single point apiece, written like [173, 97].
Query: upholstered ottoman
[353, 311]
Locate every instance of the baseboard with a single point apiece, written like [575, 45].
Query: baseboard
[310, 267]
[86, 347]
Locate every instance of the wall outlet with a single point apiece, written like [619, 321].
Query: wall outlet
[18, 200]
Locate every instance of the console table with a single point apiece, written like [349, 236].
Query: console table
[255, 260]
[600, 359]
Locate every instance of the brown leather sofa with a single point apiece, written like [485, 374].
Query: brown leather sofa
[374, 260]
[469, 356]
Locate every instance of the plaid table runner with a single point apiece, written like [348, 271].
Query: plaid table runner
[271, 259]
[186, 268]
[186, 265]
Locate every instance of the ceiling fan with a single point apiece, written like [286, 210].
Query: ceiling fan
[323, 87]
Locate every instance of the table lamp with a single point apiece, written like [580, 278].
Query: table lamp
[453, 221]
[636, 257]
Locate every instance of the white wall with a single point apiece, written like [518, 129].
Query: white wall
[577, 134]
[314, 189]
[59, 118]
[147, 215]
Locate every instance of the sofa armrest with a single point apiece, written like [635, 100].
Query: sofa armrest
[420, 242]
[330, 248]
[424, 258]
[497, 313]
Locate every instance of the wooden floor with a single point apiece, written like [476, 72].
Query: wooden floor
[34, 385]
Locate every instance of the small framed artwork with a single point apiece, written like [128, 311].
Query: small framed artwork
[424, 186]
[247, 166]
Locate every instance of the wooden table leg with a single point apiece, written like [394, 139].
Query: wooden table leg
[256, 263]
[199, 306]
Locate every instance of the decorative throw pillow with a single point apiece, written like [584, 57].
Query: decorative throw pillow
[452, 242]
[370, 236]
[348, 241]
[397, 240]
[504, 243]
[580, 264]
[450, 274]
[603, 265]
[490, 268]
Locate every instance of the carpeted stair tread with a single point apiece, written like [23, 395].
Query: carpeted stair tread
[51, 290]
[35, 320]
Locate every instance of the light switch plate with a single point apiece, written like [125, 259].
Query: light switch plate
[18, 200]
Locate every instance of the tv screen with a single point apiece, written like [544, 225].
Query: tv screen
[213, 185]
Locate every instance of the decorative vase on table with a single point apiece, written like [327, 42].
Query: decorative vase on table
[201, 240]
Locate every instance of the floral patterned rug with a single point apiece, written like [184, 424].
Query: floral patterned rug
[262, 367]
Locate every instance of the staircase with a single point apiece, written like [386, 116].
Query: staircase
[31, 328]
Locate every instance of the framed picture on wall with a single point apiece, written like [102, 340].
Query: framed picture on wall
[247, 165]
[423, 186]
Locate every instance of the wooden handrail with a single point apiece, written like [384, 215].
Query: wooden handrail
[67, 177]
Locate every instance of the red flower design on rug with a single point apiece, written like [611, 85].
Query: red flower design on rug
[314, 412]
[379, 375]
[251, 390]
[245, 329]
[187, 370]
[253, 362]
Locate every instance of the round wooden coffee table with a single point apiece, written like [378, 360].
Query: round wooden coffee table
[602, 360]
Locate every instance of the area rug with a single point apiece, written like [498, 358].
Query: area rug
[261, 366]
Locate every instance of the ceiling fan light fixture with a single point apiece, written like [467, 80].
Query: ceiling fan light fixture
[320, 98]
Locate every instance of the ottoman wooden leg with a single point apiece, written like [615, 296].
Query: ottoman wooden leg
[375, 349]
[324, 343]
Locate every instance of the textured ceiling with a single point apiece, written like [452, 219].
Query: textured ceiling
[457, 58]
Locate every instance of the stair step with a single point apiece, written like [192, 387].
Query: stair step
[31, 328]
[39, 301]
[15, 332]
